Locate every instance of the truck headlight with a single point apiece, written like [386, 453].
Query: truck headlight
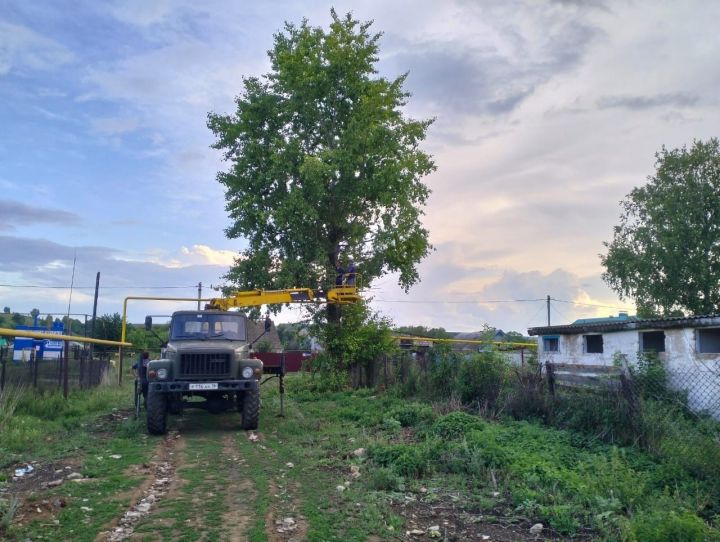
[162, 373]
[247, 372]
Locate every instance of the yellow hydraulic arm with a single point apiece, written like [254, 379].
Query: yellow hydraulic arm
[340, 295]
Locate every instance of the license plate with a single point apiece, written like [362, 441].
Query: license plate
[204, 386]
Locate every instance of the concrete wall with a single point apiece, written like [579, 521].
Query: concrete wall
[689, 370]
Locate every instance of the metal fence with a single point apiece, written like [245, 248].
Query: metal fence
[87, 368]
[669, 411]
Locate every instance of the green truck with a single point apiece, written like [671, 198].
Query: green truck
[206, 364]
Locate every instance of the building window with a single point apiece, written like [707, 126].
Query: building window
[652, 341]
[551, 343]
[593, 344]
[708, 341]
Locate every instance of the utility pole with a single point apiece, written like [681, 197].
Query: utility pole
[548, 309]
[92, 325]
[199, 293]
[97, 288]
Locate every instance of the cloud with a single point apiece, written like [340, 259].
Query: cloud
[16, 213]
[23, 49]
[189, 256]
[114, 126]
[639, 102]
[463, 298]
[494, 75]
[42, 262]
[141, 13]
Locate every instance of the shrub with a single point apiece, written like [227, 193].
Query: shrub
[384, 479]
[481, 378]
[527, 397]
[413, 414]
[661, 526]
[405, 460]
[439, 380]
[456, 425]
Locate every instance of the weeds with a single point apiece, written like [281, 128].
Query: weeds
[8, 508]
[9, 399]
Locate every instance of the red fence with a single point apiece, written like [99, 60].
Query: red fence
[294, 361]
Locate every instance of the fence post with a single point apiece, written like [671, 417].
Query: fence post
[3, 360]
[385, 372]
[630, 394]
[66, 365]
[550, 371]
[33, 360]
[83, 356]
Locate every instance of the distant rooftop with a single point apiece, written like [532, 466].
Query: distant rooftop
[621, 317]
[624, 322]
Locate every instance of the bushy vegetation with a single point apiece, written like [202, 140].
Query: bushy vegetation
[569, 482]
[41, 421]
[550, 479]
[353, 348]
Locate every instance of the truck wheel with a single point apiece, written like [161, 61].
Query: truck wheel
[156, 413]
[251, 409]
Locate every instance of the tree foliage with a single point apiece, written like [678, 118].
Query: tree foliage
[323, 163]
[665, 252]
[109, 327]
[354, 344]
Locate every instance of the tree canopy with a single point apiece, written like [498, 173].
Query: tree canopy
[665, 253]
[324, 165]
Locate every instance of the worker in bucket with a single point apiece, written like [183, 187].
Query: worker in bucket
[351, 273]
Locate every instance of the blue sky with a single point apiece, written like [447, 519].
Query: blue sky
[548, 113]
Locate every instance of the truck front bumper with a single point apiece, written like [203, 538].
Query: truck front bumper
[179, 386]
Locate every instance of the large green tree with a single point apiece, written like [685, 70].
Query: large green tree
[324, 164]
[665, 253]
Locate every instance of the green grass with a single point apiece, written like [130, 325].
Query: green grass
[516, 471]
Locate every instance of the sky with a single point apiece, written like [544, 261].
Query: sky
[547, 115]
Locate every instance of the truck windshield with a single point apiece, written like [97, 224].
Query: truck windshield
[208, 326]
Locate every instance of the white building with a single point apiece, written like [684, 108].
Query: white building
[689, 347]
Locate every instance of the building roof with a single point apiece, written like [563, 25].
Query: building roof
[257, 328]
[623, 322]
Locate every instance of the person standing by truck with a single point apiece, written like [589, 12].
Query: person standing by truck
[140, 368]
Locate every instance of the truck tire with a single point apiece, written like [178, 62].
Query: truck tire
[251, 409]
[156, 413]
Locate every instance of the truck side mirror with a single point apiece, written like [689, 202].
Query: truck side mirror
[268, 324]
[148, 323]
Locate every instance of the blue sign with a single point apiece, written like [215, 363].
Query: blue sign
[44, 348]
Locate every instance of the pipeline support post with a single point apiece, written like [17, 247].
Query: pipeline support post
[282, 386]
[120, 365]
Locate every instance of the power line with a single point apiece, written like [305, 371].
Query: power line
[473, 302]
[587, 304]
[93, 287]
[541, 307]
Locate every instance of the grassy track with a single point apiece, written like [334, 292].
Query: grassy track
[306, 478]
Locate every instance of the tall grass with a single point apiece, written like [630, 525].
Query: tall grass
[9, 398]
[35, 424]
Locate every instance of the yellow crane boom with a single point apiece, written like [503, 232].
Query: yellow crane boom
[339, 295]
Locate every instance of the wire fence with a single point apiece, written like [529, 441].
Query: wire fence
[87, 368]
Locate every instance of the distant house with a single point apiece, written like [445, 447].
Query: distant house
[688, 346]
[255, 329]
[492, 336]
